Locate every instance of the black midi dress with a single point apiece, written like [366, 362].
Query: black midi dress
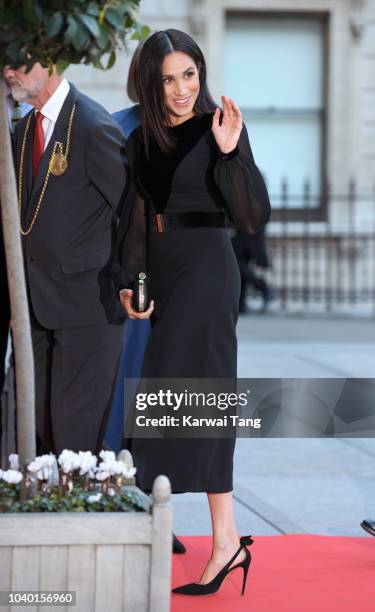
[194, 280]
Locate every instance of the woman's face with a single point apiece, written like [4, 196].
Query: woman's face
[181, 85]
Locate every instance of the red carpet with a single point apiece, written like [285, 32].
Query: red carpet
[293, 573]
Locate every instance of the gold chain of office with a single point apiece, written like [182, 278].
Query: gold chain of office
[57, 165]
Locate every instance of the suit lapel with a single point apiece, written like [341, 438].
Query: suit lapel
[59, 134]
[28, 171]
[27, 163]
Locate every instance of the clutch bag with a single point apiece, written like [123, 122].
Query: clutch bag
[141, 294]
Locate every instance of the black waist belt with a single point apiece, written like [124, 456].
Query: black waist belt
[166, 222]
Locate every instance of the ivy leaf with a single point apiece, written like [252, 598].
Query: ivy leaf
[71, 31]
[141, 32]
[103, 39]
[81, 36]
[55, 24]
[93, 9]
[61, 65]
[91, 24]
[38, 11]
[32, 12]
[114, 18]
[111, 60]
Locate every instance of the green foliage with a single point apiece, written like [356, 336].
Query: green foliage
[64, 32]
[9, 495]
[53, 499]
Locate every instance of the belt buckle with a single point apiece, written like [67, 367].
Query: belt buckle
[159, 224]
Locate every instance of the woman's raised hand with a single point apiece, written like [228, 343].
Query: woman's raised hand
[126, 301]
[228, 133]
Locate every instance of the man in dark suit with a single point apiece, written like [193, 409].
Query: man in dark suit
[69, 157]
[251, 249]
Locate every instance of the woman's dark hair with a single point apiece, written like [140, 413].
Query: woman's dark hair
[132, 82]
[154, 111]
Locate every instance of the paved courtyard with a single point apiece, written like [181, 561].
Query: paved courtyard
[297, 485]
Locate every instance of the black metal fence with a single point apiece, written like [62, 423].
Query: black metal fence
[322, 251]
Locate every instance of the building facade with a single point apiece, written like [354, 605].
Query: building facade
[302, 71]
[303, 74]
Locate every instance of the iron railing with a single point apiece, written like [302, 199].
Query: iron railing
[322, 251]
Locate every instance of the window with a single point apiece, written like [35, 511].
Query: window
[274, 67]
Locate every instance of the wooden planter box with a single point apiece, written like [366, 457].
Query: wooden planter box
[114, 561]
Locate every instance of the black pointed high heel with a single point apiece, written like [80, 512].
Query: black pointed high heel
[193, 588]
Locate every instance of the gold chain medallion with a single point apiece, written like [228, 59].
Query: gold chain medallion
[58, 163]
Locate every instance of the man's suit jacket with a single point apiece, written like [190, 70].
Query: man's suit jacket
[128, 119]
[69, 250]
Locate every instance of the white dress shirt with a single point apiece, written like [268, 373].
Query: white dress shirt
[51, 110]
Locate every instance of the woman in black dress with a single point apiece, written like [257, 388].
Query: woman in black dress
[192, 172]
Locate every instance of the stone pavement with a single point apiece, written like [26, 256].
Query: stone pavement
[299, 485]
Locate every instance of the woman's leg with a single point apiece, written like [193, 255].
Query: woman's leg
[225, 537]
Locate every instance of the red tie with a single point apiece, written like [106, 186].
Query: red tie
[38, 146]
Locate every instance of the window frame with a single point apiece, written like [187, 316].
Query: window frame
[302, 213]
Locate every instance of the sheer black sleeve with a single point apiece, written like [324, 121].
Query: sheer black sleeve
[242, 187]
[130, 256]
